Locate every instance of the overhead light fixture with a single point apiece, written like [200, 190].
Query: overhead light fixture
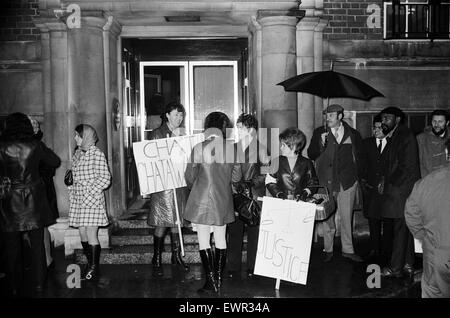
[182, 18]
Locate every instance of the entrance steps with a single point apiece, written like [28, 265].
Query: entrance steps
[132, 243]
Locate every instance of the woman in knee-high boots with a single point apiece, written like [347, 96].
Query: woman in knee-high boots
[162, 209]
[87, 208]
[210, 175]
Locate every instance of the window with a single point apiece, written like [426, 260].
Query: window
[418, 19]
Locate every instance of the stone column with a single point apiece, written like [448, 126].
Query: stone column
[116, 195]
[87, 104]
[254, 58]
[278, 63]
[318, 66]
[305, 64]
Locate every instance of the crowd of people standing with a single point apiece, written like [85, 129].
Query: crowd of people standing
[384, 168]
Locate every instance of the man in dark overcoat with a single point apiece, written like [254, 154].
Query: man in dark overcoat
[401, 172]
[375, 155]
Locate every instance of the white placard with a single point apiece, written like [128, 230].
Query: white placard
[161, 163]
[285, 238]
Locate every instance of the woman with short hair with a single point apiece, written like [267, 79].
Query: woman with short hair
[162, 209]
[295, 173]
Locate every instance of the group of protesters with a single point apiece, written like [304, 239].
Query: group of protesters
[383, 169]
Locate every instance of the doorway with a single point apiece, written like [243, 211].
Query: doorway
[202, 74]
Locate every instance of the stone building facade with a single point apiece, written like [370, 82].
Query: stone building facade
[63, 62]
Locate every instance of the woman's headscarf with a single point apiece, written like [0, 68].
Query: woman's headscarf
[89, 137]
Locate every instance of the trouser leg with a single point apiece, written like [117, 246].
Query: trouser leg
[252, 246]
[387, 238]
[399, 245]
[38, 261]
[345, 202]
[235, 235]
[13, 259]
[375, 234]
[329, 230]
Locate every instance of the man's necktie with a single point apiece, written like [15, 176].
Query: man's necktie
[379, 145]
[336, 135]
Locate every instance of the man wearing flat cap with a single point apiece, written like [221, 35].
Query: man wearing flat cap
[337, 152]
[402, 170]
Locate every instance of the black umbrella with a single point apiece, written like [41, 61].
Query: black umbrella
[330, 84]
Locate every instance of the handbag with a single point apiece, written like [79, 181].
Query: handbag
[247, 208]
[68, 178]
[325, 203]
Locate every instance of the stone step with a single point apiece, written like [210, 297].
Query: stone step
[133, 224]
[142, 236]
[141, 254]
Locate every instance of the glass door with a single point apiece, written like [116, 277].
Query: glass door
[213, 86]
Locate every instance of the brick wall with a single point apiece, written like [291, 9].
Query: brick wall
[348, 20]
[16, 20]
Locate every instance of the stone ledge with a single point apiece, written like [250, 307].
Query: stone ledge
[62, 233]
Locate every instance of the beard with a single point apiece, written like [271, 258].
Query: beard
[437, 132]
[386, 129]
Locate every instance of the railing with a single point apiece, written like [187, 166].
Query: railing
[417, 20]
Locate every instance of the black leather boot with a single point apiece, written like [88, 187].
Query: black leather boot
[176, 251]
[220, 258]
[93, 272]
[207, 258]
[158, 246]
[88, 254]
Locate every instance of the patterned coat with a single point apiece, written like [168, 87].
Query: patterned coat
[91, 177]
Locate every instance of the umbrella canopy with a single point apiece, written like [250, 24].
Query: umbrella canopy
[330, 84]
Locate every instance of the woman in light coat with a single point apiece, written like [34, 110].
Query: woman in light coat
[87, 207]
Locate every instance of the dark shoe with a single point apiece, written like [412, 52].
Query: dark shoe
[250, 273]
[207, 257]
[93, 272]
[389, 273]
[220, 260]
[176, 252]
[158, 246]
[327, 257]
[353, 257]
